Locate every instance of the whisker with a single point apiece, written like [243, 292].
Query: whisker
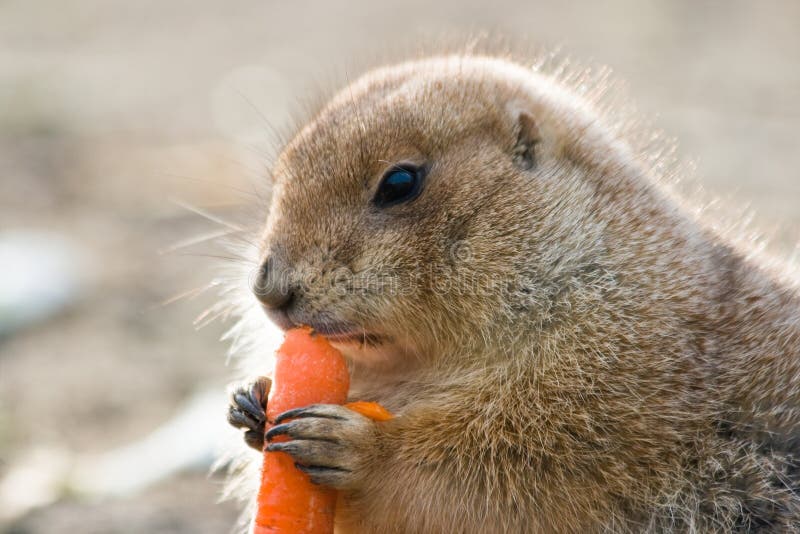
[267, 123]
[212, 313]
[195, 241]
[253, 194]
[190, 294]
[205, 214]
[237, 259]
[260, 191]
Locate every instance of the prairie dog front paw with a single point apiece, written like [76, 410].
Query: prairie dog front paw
[247, 410]
[330, 443]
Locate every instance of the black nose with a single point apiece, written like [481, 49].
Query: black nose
[272, 286]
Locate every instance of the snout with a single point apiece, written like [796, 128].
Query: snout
[294, 297]
[275, 290]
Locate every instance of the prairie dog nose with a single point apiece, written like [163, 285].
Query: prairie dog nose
[272, 287]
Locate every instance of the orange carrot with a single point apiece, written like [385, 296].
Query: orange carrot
[373, 410]
[308, 370]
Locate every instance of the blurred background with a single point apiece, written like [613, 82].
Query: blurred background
[120, 120]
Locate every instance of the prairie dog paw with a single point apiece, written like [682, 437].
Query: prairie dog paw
[330, 443]
[247, 410]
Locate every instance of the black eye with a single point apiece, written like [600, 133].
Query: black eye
[401, 183]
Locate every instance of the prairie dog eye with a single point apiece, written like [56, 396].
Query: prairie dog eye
[401, 183]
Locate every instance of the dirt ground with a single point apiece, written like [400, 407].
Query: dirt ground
[112, 110]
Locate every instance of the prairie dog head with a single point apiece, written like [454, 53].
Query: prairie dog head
[422, 210]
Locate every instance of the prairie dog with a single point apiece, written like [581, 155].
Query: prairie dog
[566, 346]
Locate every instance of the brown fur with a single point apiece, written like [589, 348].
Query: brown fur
[593, 358]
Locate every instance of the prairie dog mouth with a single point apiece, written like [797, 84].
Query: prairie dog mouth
[360, 345]
[354, 337]
[347, 334]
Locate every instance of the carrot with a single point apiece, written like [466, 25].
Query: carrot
[373, 410]
[308, 370]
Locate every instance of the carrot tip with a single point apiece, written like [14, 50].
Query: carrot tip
[372, 410]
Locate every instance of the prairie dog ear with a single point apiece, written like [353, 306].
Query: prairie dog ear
[527, 136]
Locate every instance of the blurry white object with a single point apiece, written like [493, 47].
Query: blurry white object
[38, 277]
[33, 482]
[190, 440]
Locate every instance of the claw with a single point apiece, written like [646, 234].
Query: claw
[278, 430]
[283, 446]
[315, 410]
[260, 389]
[239, 419]
[311, 452]
[246, 403]
[307, 429]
